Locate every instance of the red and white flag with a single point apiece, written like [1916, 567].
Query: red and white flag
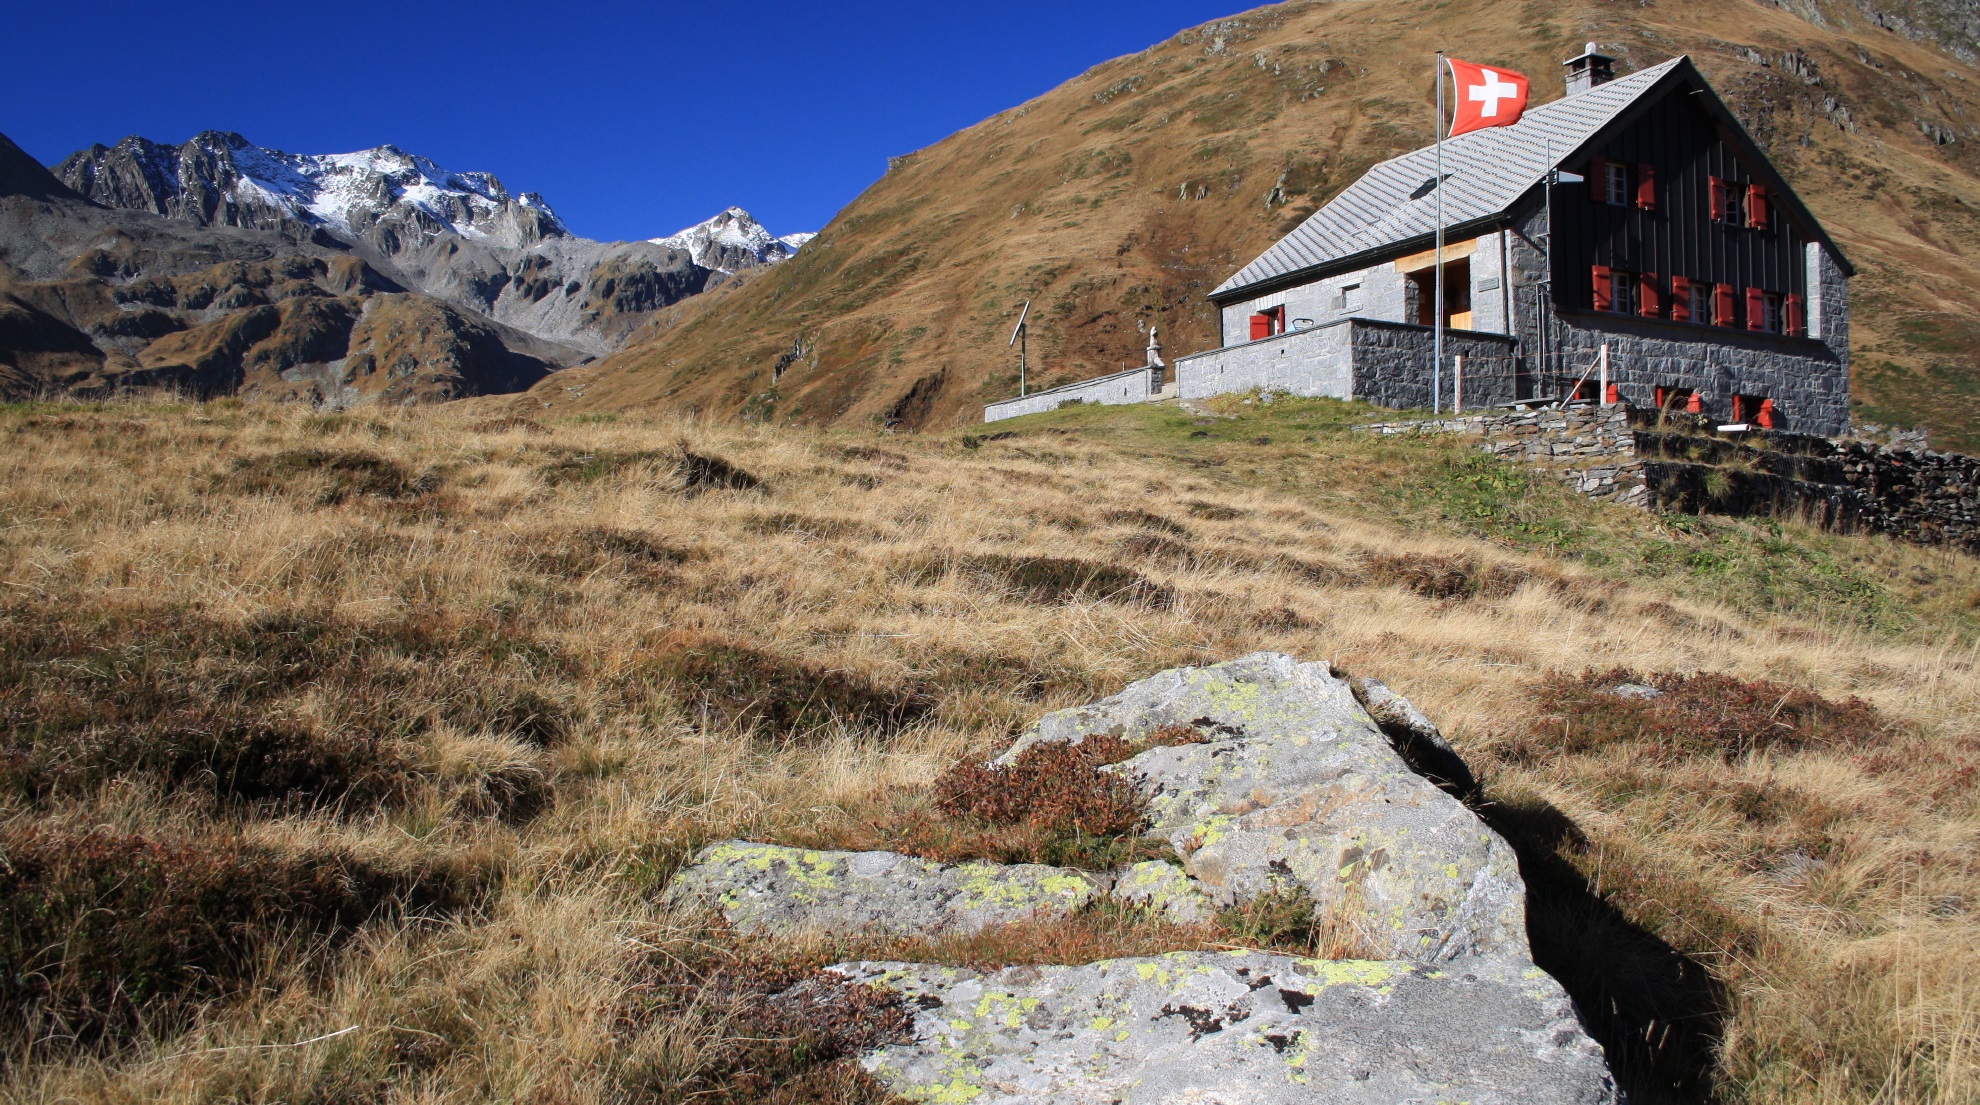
[1486, 97]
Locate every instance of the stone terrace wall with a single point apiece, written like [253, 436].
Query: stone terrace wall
[1680, 463]
[1136, 385]
[1592, 448]
[1918, 495]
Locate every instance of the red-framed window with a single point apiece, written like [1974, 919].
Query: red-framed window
[1267, 323]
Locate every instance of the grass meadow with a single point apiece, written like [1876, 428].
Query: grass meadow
[346, 756]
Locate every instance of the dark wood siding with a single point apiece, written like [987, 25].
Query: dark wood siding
[1679, 238]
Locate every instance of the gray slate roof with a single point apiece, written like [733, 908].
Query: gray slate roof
[1486, 172]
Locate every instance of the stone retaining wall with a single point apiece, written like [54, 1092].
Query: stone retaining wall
[1136, 385]
[1591, 448]
[1681, 463]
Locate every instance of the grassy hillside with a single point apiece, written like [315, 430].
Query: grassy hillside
[1118, 199]
[345, 757]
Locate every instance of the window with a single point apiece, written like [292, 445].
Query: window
[1700, 302]
[1615, 183]
[1754, 410]
[1727, 202]
[1267, 323]
[1624, 287]
[1350, 298]
[1763, 311]
[1678, 399]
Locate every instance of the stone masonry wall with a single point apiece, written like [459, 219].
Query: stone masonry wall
[1392, 365]
[1591, 448]
[1385, 363]
[1136, 385]
[1312, 363]
[1679, 463]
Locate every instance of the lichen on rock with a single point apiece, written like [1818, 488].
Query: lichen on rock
[767, 887]
[1303, 786]
[1237, 1026]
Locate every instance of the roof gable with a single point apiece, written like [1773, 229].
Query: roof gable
[1486, 173]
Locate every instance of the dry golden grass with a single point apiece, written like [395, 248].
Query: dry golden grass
[551, 674]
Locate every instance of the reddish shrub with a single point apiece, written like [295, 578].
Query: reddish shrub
[1705, 714]
[1055, 786]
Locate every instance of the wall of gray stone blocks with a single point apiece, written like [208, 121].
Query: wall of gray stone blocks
[1828, 301]
[1392, 366]
[1313, 363]
[1136, 385]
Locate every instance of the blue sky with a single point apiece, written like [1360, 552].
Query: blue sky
[632, 119]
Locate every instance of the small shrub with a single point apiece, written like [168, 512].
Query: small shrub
[788, 1034]
[1055, 786]
[1146, 520]
[883, 457]
[1213, 512]
[1443, 577]
[1051, 580]
[583, 553]
[806, 525]
[1705, 714]
[334, 476]
[104, 932]
[700, 474]
[1152, 546]
[510, 425]
[572, 466]
[779, 696]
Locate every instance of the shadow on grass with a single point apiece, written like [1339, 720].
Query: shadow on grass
[1658, 1012]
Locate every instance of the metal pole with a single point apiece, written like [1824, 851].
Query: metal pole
[1457, 384]
[1437, 276]
[1024, 336]
[1602, 399]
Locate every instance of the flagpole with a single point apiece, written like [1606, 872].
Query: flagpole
[1437, 275]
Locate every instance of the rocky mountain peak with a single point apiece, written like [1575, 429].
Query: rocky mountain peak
[733, 241]
[396, 199]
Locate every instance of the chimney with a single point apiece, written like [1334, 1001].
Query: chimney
[1590, 69]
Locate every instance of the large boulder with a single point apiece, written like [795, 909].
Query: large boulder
[765, 887]
[1295, 787]
[1219, 1028]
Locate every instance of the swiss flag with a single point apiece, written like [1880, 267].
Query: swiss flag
[1486, 97]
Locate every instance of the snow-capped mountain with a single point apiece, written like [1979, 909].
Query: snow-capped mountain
[220, 178]
[733, 241]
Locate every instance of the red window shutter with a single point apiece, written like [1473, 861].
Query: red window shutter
[1756, 309]
[1261, 327]
[1795, 323]
[1680, 299]
[1646, 187]
[1598, 179]
[1756, 207]
[1718, 199]
[1646, 295]
[1764, 417]
[1694, 404]
[1605, 298]
[1722, 304]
